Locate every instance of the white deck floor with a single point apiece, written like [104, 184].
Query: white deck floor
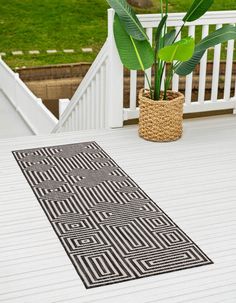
[193, 180]
[11, 122]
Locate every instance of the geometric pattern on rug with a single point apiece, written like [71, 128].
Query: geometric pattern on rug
[109, 227]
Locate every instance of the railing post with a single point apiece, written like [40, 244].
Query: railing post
[115, 79]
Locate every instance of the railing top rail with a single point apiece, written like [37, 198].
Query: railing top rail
[25, 101]
[27, 91]
[13, 75]
[7, 68]
[175, 19]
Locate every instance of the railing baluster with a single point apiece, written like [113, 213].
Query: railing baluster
[69, 124]
[63, 126]
[175, 80]
[216, 70]
[203, 69]
[189, 78]
[229, 69]
[98, 99]
[102, 96]
[86, 106]
[149, 32]
[72, 120]
[91, 106]
[77, 116]
[80, 106]
[106, 95]
[93, 103]
[133, 89]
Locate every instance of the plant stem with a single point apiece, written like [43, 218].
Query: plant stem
[161, 2]
[157, 81]
[167, 4]
[168, 80]
[155, 69]
[165, 28]
[149, 85]
[180, 30]
[165, 31]
[155, 75]
[162, 69]
[158, 66]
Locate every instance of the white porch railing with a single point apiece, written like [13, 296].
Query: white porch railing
[210, 20]
[88, 107]
[38, 118]
[98, 102]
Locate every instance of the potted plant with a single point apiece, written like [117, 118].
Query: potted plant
[161, 112]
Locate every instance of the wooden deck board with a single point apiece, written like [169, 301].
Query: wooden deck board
[192, 180]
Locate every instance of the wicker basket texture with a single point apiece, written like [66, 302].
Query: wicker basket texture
[161, 120]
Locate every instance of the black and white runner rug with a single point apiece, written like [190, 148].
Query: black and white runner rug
[111, 230]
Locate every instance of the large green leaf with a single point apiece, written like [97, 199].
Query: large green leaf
[168, 38]
[129, 19]
[134, 54]
[221, 35]
[180, 51]
[197, 9]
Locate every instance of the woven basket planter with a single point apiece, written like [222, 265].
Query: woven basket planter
[161, 121]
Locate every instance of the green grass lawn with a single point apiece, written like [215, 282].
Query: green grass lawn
[62, 24]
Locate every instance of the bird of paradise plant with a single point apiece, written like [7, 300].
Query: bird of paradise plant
[136, 52]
